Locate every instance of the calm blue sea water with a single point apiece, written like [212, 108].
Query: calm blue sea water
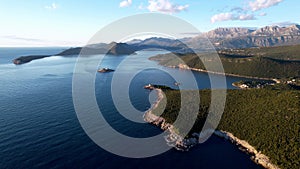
[39, 127]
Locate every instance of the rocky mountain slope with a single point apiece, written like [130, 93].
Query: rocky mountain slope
[173, 45]
[220, 38]
[246, 38]
[223, 38]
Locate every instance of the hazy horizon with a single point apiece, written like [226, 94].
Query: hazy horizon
[61, 23]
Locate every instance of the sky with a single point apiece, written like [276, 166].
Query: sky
[26, 23]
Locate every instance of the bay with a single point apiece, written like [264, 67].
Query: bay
[39, 127]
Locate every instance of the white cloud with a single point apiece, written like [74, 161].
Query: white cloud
[263, 14]
[165, 6]
[237, 9]
[141, 6]
[261, 4]
[284, 24]
[125, 3]
[221, 17]
[230, 16]
[245, 17]
[53, 6]
[242, 14]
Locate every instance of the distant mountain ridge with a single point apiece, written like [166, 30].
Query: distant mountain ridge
[246, 38]
[220, 38]
[223, 38]
[264, 31]
[173, 45]
[228, 32]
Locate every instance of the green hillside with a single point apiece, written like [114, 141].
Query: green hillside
[269, 62]
[268, 119]
[278, 52]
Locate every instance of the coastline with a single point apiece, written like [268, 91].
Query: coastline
[173, 139]
[185, 67]
[244, 146]
[238, 86]
[184, 144]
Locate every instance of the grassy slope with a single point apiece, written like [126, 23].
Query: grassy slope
[268, 119]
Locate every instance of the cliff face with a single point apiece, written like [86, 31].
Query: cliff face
[277, 31]
[228, 33]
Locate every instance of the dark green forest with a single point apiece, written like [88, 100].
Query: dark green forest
[269, 119]
[268, 62]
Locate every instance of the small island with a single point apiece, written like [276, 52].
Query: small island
[149, 86]
[153, 86]
[26, 59]
[105, 70]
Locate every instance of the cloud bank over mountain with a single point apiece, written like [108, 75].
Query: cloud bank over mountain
[249, 12]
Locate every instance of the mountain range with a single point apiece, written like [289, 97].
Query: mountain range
[235, 37]
[220, 38]
[262, 37]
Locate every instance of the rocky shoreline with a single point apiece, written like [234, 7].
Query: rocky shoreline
[244, 146]
[184, 144]
[173, 138]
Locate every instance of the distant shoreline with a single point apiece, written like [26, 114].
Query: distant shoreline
[184, 67]
[185, 144]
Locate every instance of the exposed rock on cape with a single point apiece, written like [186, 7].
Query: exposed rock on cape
[244, 146]
[184, 144]
[173, 138]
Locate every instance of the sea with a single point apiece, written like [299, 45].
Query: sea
[39, 127]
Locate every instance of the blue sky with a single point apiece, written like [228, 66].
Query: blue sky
[72, 23]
